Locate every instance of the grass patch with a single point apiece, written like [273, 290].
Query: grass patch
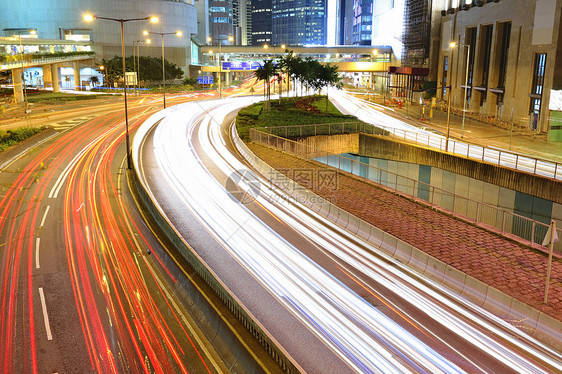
[11, 137]
[58, 96]
[289, 112]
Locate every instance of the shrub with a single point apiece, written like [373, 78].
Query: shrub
[11, 137]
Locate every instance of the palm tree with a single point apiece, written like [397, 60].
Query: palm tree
[265, 72]
[94, 80]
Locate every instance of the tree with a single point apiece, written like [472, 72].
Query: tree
[330, 78]
[264, 73]
[150, 69]
[94, 80]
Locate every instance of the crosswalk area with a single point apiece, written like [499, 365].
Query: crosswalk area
[65, 125]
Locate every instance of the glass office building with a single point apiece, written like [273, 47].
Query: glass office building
[299, 22]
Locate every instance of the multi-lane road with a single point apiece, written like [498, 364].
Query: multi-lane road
[311, 284]
[78, 291]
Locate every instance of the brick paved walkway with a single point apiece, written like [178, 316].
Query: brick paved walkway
[514, 269]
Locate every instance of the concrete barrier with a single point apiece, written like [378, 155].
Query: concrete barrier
[491, 299]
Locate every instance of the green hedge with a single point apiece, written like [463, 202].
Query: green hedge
[12, 137]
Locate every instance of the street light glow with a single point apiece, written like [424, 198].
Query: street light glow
[179, 33]
[148, 41]
[88, 17]
[452, 44]
[154, 19]
[145, 32]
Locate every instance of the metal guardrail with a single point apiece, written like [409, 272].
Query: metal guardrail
[537, 166]
[531, 232]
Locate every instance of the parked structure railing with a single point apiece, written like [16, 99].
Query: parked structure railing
[545, 168]
[507, 223]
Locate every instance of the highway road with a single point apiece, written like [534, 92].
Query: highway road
[379, 116]
[332, 301]
[79, 291]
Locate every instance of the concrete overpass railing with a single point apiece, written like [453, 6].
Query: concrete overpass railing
[536, 166]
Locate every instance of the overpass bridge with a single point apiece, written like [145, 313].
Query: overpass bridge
[348, 58]
[18, 53]
[242, 60]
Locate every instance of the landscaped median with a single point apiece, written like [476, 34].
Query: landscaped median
[12, 137]
[494, 272]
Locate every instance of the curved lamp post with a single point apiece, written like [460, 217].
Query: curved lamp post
[162, 35]
[90, 18]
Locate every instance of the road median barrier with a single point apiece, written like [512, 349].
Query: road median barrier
[215, 326]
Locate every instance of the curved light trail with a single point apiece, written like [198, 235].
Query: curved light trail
[117, 318]
[373, 114]
[359, 333]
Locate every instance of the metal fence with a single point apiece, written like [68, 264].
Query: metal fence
[545, 168]
[507, 223]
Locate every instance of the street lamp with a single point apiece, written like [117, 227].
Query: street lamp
[90, 18]
[137, 63]
[32, 32]
[162, 35]
[453, 45]
[209, 39]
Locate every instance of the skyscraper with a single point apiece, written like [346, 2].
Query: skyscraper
[220, 20]
[362, 22]
[299, 22]
[261, 22]
[242, 21]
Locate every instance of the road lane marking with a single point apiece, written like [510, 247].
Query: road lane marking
[44, 216]
[45, 315]
[37, 241]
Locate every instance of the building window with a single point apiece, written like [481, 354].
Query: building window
[445, 70]
[538, 83]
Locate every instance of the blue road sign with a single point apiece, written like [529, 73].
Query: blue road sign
[205, 79]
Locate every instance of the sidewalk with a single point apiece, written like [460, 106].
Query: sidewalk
[523, 141]
[514, 269]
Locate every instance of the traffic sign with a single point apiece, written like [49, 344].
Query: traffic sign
[205, 79]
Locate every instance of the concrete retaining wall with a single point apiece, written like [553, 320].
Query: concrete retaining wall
[378, 147]
[385, 148]
[536, 323]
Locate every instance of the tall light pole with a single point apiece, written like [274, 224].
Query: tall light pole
[89, 18]
[32, 32]
[162, 35]
[136, 62]
[453, 45]
[209, 39]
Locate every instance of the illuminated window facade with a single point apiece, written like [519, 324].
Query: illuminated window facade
[299, 22]
[261, 22]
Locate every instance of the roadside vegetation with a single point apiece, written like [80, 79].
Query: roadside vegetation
[35, 97]
[11, 137]
[290, 111]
